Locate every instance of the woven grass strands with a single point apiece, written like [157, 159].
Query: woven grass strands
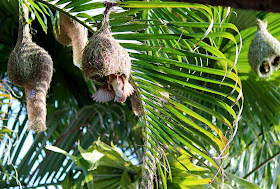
[264, 52]
[31, 67]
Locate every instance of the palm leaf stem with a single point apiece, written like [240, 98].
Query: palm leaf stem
[262, 164]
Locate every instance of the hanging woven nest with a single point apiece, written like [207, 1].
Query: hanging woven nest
[106, 61]
[103, 55]
[72, 33]
[264, 51]
[31, 67]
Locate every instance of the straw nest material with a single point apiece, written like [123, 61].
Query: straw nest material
[264, 52]
[72, 33]
[31, 67]
[103, 55]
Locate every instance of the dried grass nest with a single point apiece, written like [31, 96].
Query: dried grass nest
[72, 33]
[103, 55]
[31, 67]
[264, 51]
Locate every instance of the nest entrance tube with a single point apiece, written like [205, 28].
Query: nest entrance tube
[31, 67]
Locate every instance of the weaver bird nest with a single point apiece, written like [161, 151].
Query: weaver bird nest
[72, 33]
[31, 67]
[264, 51]
[106, 62]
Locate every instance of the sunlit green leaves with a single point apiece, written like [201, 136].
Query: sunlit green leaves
[160, 71]
[96, 120]
[104, 166]
[257, 137]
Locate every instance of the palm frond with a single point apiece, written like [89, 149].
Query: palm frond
[258, 136]
[8, 136]
[188, 82]
[90, 122]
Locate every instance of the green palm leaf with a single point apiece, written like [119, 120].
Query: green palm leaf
[260, 118]
[95, 119]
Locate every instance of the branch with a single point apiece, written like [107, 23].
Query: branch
[262, 164]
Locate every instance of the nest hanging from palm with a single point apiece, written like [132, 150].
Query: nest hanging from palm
[264, 51]
[103, 55]
[31, 67]
[105, 60]
[72, 33]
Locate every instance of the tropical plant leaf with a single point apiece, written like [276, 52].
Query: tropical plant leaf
[260, 119]
[242, 182]
[88, 118]
[8, 136]
[158, 73]
[104, 163]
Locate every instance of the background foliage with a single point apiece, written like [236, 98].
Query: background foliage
[188, 79]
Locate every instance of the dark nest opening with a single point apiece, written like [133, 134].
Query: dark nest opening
[276, 61]
[265, 68]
